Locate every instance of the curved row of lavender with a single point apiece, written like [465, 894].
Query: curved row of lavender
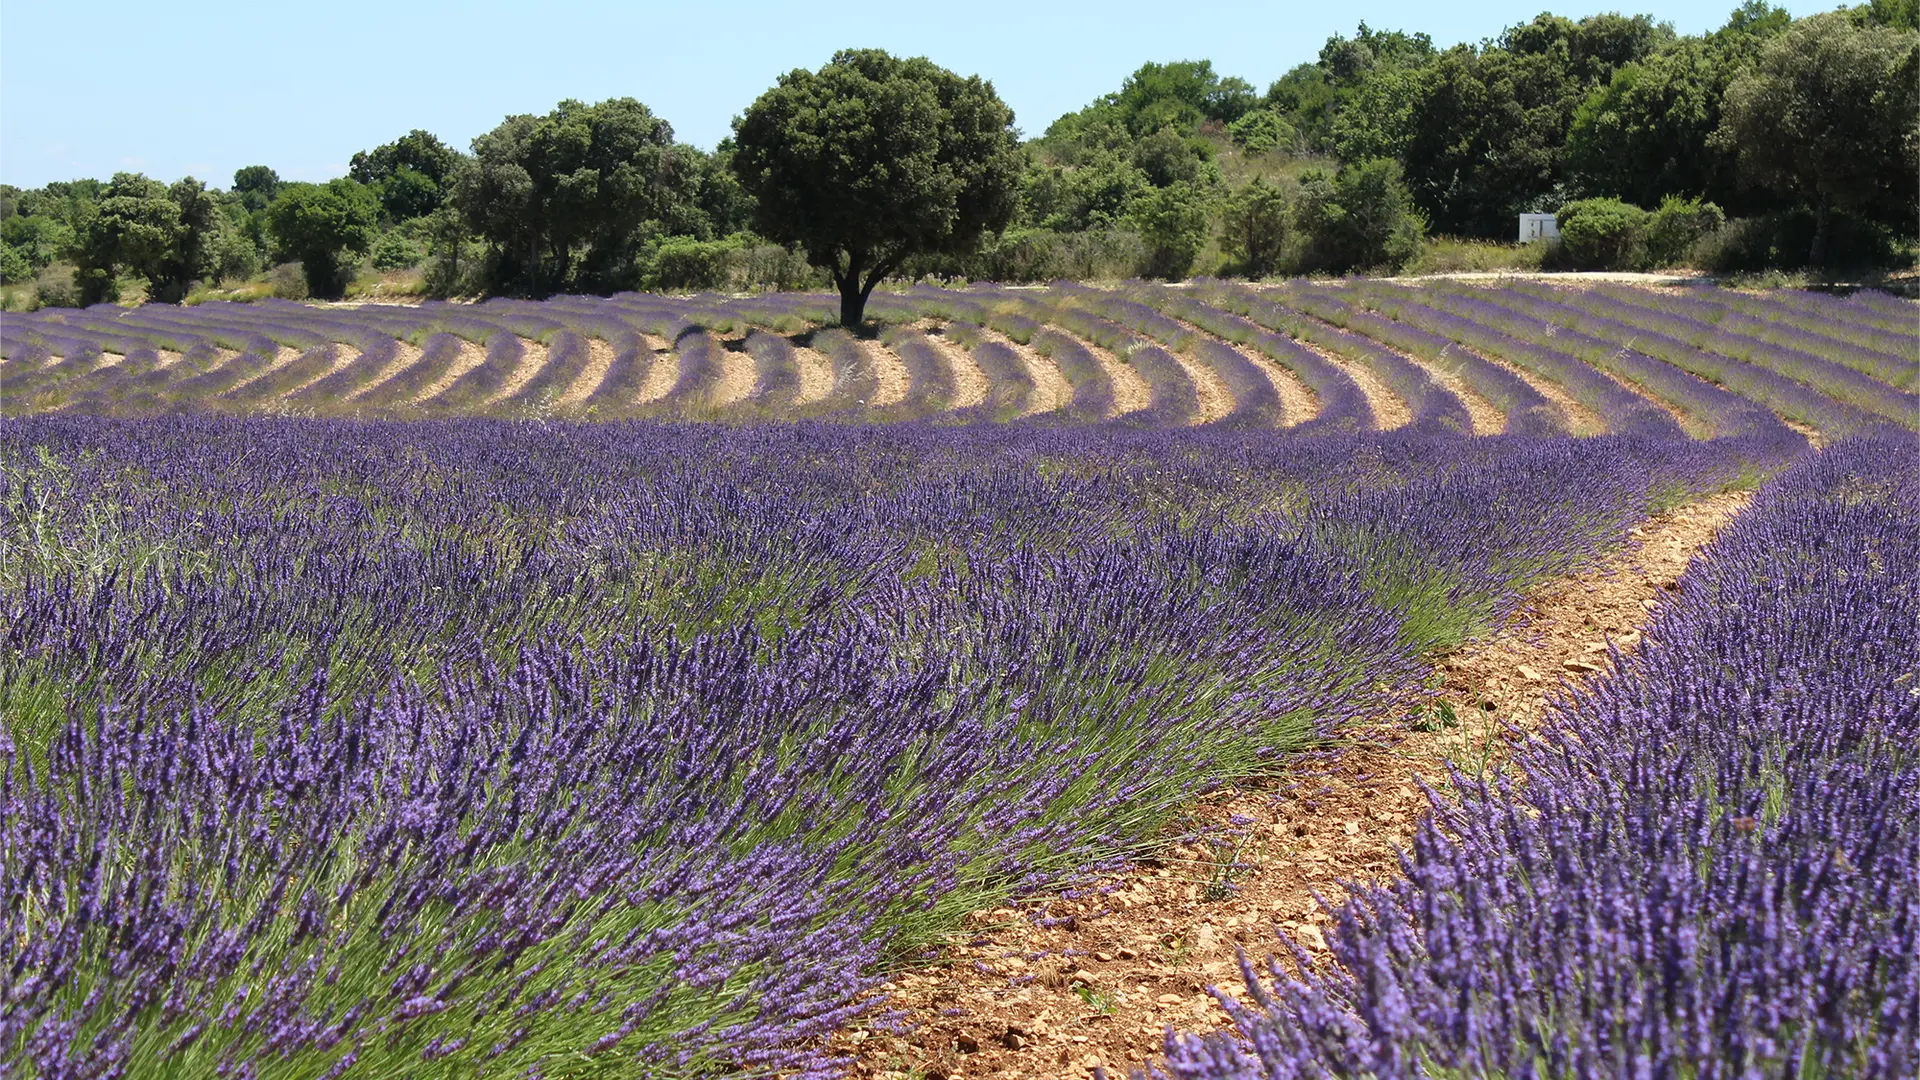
[1722, 363]
[1707, 865]
[341, 748]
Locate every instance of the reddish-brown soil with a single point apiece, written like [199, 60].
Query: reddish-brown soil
[1134, 955]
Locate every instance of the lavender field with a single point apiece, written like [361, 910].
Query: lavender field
[630, 686]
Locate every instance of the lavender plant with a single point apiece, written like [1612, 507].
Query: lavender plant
[1712, 867]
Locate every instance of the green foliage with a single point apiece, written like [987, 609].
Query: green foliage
[1676, 227]
[143, 227]
[14, 266]
[1261, 130]
[1645, 134]
[1601, 234]
[741, 262]
[1486, 134]
[1830, 112]
[1182, 95]
[1094, 194]
[233, 255]
[410, 174]
[318, 224]
[1255, 222]
[36, 239]
[256, 185]
[1362, 217]
[565, 201]
[1110, 252]
[394, 251]
[1166, 157]
[873, 159]
[1173, 222]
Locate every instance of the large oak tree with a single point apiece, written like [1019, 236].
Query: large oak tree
[873, 159]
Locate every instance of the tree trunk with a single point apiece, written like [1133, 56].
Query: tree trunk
[853, 301]
[1822, 221]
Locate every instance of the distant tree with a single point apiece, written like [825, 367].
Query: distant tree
[256, 185]
[1486, 136]
[409, 174]
[1181, 95]
[1359, 218]
[1167, 157]
[566, 201]
[1831, 113]
[1647, 132]
[873, 159]
[318, 224]
[1255, 221]
[1173, 222]
[141, 226]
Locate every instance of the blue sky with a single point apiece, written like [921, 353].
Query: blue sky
[170, 90]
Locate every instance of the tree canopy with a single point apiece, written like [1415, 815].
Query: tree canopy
[1831, 112]
[565, 201]
[317, 223]
[873, 159]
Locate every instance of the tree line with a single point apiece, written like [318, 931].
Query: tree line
[1767, 142]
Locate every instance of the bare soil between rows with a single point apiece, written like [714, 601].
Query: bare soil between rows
[1095, 977]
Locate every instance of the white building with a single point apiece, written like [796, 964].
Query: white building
[1538, 227]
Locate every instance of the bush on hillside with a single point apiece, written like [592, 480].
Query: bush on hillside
[1673, 230]
[1601, 234]
[1361, 218]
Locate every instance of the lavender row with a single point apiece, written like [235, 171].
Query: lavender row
[356, 749]
[1757, 385]
[1889, 356]
[1687, 325]
[1712, 866]
[1527, 411]
[1435, 409]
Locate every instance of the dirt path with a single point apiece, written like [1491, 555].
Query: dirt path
[533, 357]
[1135, 955]
[342, 356]
[1580, 419]
[471, 356]
[662, 373]
[404, 357]
[168, 358]
[1130, 390]
[1050, 388]
[1692, 425]
[816, 375]
[281, 359]
[1215, 402]
[737, 377]
[970, 384]
[1487, 420]
[890, 375]
[600, 356]
[1297, 402]
[1388, 410]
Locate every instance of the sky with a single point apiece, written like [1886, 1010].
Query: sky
[170, 90]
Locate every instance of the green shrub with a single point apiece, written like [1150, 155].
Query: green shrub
[1262, 130]
[394, 252]
[14, 265]
[289, 281]
[741, 262]
[1601, 234]
[1032, 255]
[56, 287]
[1673, 230]
[1361, 218]
[1782, 241]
